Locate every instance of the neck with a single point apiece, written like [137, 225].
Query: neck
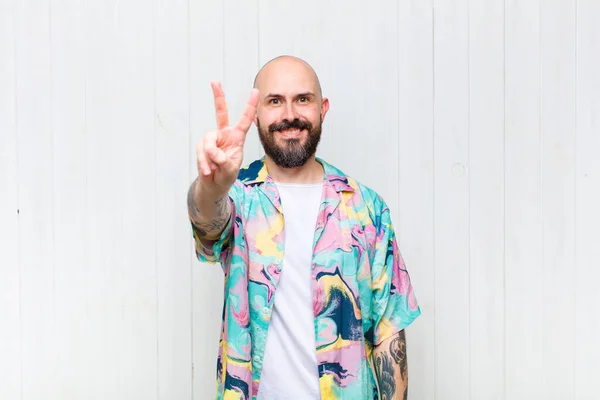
[310, 172]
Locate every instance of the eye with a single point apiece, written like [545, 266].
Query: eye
[303, 99]
[274, 101]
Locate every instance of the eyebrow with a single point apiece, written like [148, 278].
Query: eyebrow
[306, 94]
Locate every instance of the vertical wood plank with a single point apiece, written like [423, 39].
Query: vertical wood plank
[523, 193]
[104, 204]
[36, 192]
[451, 198]
[172, 116]
[558, 125]
[587, 212]
[415, 232]
[486, 81]
[10, 309]
[69, 150]
[134, 277]
[104, 211]
[206, 64]
[240, 64]
[375, 28]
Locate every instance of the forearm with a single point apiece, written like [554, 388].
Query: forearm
[209, 212]
[391, 367]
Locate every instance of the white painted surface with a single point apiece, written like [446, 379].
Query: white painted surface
[451, 198]
[486, 198]
[10, 288]
[524, 271]
[587, 199]
[479, 123]
[558, 118]
[415, 214]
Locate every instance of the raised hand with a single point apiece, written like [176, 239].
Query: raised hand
[221, 152]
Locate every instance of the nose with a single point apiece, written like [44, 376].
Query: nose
[289, 112]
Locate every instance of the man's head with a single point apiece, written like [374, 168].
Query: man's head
[290, 112]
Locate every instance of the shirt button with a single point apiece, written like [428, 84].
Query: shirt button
[256, 359]
[266, 310]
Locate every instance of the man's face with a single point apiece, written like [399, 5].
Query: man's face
[290, 113]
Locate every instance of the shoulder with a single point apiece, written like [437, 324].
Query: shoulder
[373, 202]
[362, 196]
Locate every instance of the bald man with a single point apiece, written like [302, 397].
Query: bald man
[317, 294]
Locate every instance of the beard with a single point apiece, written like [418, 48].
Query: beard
[293, 153]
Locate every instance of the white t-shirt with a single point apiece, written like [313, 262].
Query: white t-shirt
[290, 369]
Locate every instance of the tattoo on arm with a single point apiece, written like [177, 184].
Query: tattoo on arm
[391, 368]
[211, 227]
[384, 368]
[398, 352]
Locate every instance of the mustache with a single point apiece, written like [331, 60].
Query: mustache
[286, 124]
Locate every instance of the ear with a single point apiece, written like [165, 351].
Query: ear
[324, 107]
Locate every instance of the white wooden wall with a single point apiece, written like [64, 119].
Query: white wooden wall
[478, 121]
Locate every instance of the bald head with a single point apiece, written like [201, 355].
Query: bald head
[290, 111]
[286, 71]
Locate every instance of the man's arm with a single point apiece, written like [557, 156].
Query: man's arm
[391, 368]
[219, 157]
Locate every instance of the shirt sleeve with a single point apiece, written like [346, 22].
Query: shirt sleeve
[394, 302]
[213, 251]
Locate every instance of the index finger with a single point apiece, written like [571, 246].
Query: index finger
[220, 105]
[249, 112]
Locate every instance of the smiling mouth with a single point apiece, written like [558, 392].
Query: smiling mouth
[293, 132]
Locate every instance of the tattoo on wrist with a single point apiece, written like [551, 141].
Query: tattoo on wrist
[220, 220]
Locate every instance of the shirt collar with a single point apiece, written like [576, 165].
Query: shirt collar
[256, 173]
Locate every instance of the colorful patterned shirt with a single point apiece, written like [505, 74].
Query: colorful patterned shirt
[362, 292]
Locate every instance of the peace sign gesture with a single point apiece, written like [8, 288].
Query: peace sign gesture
[221, 152]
